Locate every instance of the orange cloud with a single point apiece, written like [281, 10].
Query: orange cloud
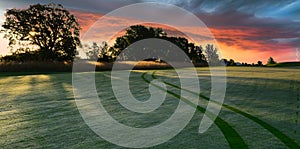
[85, 19]
[250, 44]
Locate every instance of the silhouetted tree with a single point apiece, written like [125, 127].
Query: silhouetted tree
[271, 61]
[136, 33]
[106, 53]
[139, 32]
[224, 62]
[259, 63]
[231, 62]
[93, 51]
[102, 52]
[212, 55]
[195, 54]
[51, 28]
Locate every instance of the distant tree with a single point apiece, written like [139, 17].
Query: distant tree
[101, 52]
[212, 55]
[93, 51]
[106, 53]
[133, 34]
[197, 55]
[138, 32]
[259, 63]
[271, 61]
[231, 62]
[224, 62]
[50, 28]
[108, 57]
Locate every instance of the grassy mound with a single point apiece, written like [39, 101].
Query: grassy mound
[284, 64]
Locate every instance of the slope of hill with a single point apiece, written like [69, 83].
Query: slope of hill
[285, 64]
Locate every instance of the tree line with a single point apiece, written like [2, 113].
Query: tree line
[231, 62]
[197, 54]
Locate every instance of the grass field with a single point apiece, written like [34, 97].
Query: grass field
[260, 110]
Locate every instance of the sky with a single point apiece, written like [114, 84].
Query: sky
[246, 31]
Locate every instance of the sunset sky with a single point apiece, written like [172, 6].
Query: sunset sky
[246, 31]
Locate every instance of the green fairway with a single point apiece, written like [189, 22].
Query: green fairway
[260, 110]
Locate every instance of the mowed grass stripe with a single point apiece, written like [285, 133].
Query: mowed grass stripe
[233, 138]
[277, 133]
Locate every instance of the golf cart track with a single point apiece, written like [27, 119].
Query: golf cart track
[234, 140]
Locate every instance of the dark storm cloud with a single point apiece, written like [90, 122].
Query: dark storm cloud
[288, 9]
[101, 6]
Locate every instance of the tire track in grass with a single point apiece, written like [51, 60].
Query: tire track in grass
[233, 138]
[277, 133]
